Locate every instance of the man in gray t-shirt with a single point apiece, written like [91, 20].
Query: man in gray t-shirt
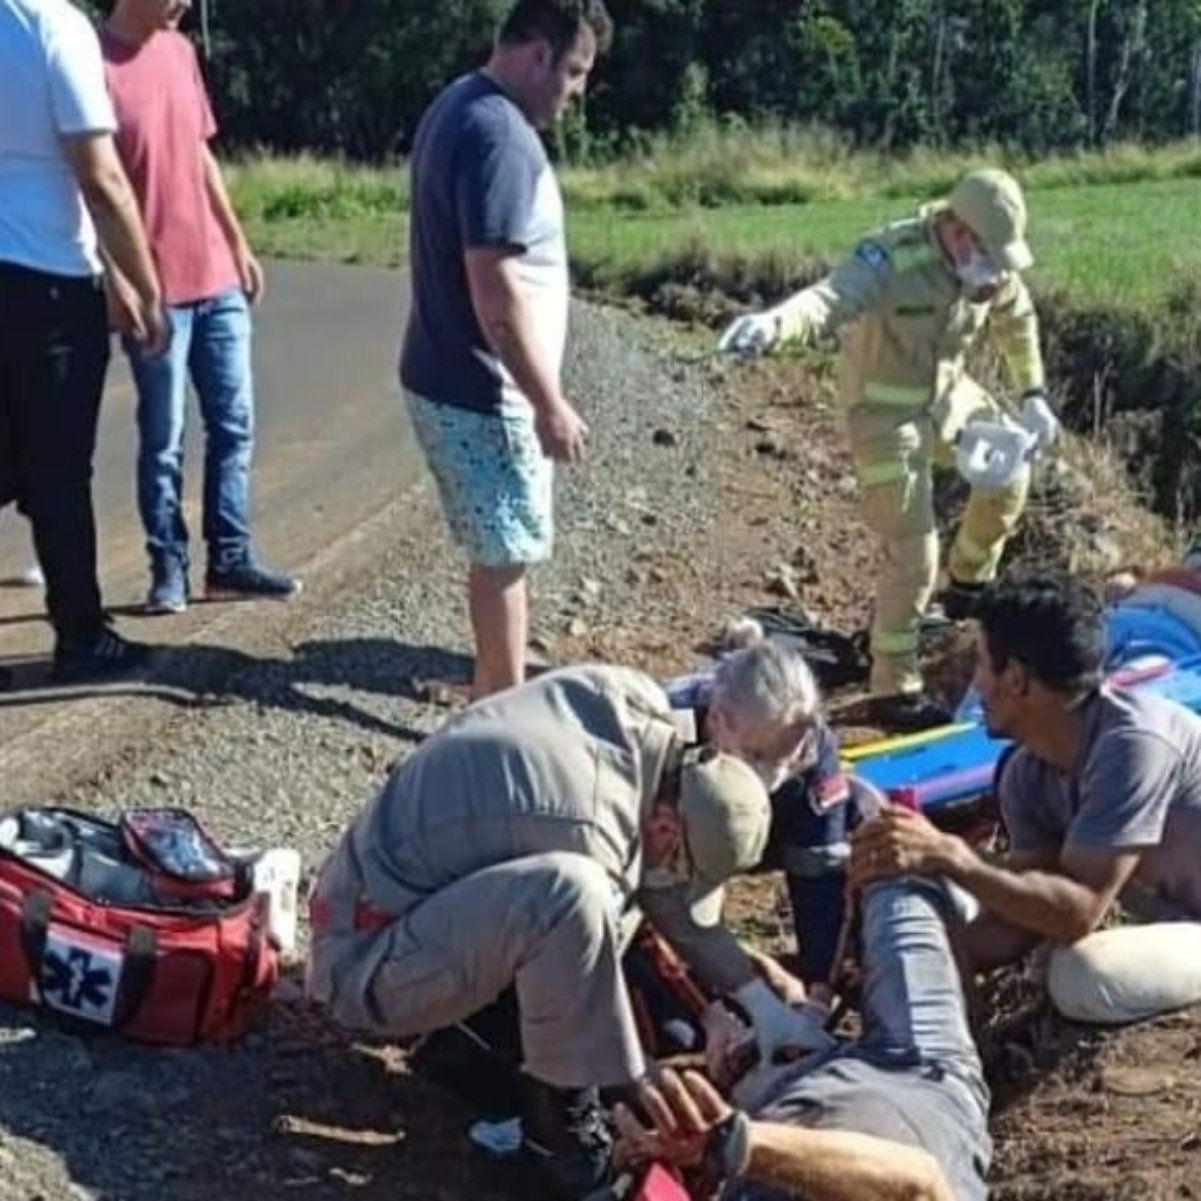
[483, 350]
[1135, 788]
[1101, 799]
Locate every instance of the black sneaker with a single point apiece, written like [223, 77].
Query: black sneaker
[908, 713]
[106, 654]
[961, 601]
[248, 581]
[567, 1130]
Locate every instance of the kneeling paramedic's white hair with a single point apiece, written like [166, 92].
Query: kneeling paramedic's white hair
[765, 685]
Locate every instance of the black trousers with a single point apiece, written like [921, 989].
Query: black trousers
[54, 351]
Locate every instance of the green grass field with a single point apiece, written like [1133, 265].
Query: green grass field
[1113, 242]
[1120, 243]
[701, 227]
[1119, 228]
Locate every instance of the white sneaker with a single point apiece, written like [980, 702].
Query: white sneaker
[31, 577]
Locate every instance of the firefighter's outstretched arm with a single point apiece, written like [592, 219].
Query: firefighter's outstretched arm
[816, 312]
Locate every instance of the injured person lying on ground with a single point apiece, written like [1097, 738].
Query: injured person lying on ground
[518, 846]
[901, 1112]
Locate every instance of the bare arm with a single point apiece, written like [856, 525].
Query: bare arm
[686, 1112]
[114, 208]
[218, 195]
[498, 296]
[991, 942]
[1063, 903]
[135, 297]
[783, 983]
[1057, 894]
[839, 1165]
[249, 270]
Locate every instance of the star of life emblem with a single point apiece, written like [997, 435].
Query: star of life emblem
[80, 977]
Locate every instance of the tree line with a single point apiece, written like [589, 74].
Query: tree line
[351, 77]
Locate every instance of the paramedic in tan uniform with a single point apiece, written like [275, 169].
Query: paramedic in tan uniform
[910, 302]
[509, 850]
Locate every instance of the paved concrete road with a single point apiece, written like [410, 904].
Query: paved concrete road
[332, 448]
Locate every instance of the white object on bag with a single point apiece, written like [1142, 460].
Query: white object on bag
[990, 455]
[276, 875]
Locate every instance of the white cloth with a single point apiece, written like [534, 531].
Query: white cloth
[779, 1027]
[1127, 973]
[51, 86]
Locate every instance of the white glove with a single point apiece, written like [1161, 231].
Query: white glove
[1039, 419]
[779, 1027]
[751, 335]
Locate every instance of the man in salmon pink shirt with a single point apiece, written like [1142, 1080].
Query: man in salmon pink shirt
[210, 279]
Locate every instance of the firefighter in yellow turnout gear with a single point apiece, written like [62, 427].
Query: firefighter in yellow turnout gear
[909, 303]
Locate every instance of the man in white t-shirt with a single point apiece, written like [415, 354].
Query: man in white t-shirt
[61, 185]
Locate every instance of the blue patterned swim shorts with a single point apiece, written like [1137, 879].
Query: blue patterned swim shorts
[493, 479]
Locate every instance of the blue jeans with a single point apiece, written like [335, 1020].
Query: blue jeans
[914, 1076]
[913, 1004]
[210, 345]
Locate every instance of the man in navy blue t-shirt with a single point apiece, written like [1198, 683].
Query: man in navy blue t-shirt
[484, 346]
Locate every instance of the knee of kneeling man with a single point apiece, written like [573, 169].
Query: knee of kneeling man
[575, 888]
[1127, 974]
[1077, 988]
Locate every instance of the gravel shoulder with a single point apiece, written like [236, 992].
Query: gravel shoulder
[277, 736]
[706, 492]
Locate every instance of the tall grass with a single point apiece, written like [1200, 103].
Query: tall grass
[1118, 243]
[776, 164]
[273, 188]
[715, 166]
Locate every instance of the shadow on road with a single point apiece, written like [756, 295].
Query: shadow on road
[322, 679]
[296, 1109]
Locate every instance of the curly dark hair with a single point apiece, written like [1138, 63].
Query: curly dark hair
[1051, 623]
[559, 22]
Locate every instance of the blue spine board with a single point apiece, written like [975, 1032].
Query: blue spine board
[959, 765]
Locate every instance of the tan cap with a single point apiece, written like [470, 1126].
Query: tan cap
[726, 816]
[989, 202]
